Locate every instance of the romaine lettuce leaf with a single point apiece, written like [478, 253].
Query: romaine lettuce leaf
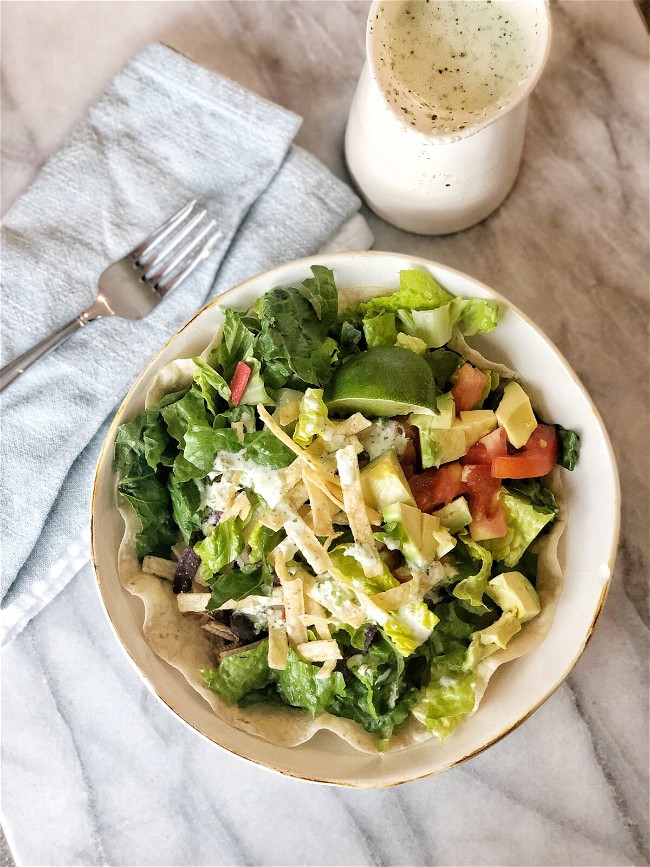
[524, 522]
[320, 290]
[569, 448]
[224, 544]
[186, 505]
[213, 387]
[240, 673]
[351, 570]
[148, 495]
[294, 326]
[379, 328]
[312, 417]
[476, 315]
[145, 435]
[410, 626]
[449, 694]
[414, 344]
[377, 694]
[237, 343]
[203, 444]
[265, 448]
[190, 409]
[253, 580]
[473, 586]
[434, 327]
[418, 291]
[299, 686]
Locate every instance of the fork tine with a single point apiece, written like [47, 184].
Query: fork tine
[165, 270]
[162, 231]
[204, 252]
[172, 243]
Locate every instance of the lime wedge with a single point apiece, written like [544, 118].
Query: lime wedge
[384, 381]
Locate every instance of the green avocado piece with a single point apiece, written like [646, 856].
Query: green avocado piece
[513, 592]
[516, 415]
[383, 482]
[455, 515]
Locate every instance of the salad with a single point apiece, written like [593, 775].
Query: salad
[349, 509]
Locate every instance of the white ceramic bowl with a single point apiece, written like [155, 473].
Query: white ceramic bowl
[587, 549]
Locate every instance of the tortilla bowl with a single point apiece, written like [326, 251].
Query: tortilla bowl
[168, 651]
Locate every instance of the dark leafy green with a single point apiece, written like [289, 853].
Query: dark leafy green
[539, 495]
[240, 673]
[186, 506]
[151, 502]
[569, 448]
[443, 363]
[299, 686]
[237, 584]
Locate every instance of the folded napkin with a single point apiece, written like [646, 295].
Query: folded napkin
[165, 131]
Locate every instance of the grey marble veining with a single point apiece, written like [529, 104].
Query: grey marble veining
[95, 770]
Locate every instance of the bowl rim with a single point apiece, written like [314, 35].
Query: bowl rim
[237, 289]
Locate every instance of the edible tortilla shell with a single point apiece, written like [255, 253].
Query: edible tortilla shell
[180, 641]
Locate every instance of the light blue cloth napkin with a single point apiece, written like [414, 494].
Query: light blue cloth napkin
[165, 131]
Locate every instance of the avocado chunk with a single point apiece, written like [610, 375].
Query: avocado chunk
[513, 592]
[420, 537]
[383, 482]
[455, 515]
[442, 421]
[436, 539]
[477, 423]
[516, 415]
[441, 446]
[492, 638]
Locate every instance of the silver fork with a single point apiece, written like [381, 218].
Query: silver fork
[133, 286]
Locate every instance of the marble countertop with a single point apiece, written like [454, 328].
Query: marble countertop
[570, 247]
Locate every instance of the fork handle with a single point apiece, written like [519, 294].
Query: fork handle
[19, 365]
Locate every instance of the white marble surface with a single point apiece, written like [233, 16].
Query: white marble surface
[94, 769]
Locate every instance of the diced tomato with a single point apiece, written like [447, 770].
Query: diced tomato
[239, 382]
[536, 458]
[437, 487]
[488, 514]
[494, 445]
[468, 388]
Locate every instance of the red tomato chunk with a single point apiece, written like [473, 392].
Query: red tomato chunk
[536, 458]
[239, 382]
[468, 388]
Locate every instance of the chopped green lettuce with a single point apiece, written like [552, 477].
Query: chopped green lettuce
[149, 496]
[350, 569]
[265, 448]
[410, 626]
[252, 580]
[433, 327]
[418, 291]
[473, 586]
[569, 448]
[202, 444]
[212, 385]
[299, 686]
[240, 673]
[222, 546]
[293, 341]
[449, 695]
[524, 522]
[186, 505]
[312, 417]
[413, 343]
[237, 343]
[379, 328]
